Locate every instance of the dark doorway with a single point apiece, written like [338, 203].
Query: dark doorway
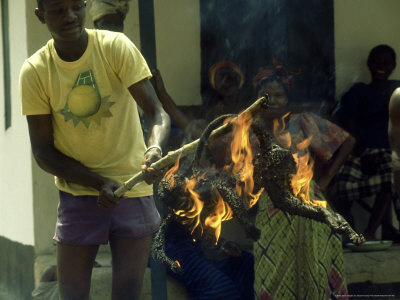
[299, 34]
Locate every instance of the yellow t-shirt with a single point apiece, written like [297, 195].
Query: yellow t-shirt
[95, 118]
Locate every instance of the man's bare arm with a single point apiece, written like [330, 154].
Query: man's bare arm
[394, 136]
[144, 94]
[53, 161]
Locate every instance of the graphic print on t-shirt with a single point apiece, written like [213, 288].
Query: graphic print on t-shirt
[85, 103]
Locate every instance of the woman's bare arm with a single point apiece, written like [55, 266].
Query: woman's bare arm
[333, 165]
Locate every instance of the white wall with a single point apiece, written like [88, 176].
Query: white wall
[131, 23]
[16, 205]
[359, 26]
[177, 24]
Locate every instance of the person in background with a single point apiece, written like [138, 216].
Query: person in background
[226, 79]
[80, 94]
[363, 111]
[109, 14]
[297, 257]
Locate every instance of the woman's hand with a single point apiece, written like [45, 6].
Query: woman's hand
[309, 126]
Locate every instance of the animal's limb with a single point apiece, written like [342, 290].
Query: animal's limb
[285, 201]
[158, 247]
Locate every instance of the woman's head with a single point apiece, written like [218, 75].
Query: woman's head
[275, 81]
[276, 90]
[226, 78]
[381, 62]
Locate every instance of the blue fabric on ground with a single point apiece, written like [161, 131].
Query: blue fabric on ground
[230, 278]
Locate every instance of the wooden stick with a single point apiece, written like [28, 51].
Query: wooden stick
[190, 148]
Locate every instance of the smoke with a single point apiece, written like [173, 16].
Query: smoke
[250, 33]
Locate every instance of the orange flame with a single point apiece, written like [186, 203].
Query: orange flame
[242, 160]
[300, 182]
[169, 174]
[283, 137]
[178, 263]
[222, 212]
[197, 205]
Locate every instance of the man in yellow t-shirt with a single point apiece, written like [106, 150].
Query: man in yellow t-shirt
[80, 94]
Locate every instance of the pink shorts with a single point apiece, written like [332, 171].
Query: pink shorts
[81, 222]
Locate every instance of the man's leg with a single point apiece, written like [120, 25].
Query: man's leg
[129, 261]
[74, 270]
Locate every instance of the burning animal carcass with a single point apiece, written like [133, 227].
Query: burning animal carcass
[204, 195]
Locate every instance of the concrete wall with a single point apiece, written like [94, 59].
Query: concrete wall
[16, 217]
[16, 205]
[178, 48]
[359, 26]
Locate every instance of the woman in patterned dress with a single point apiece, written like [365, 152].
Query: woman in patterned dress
[295, 257]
